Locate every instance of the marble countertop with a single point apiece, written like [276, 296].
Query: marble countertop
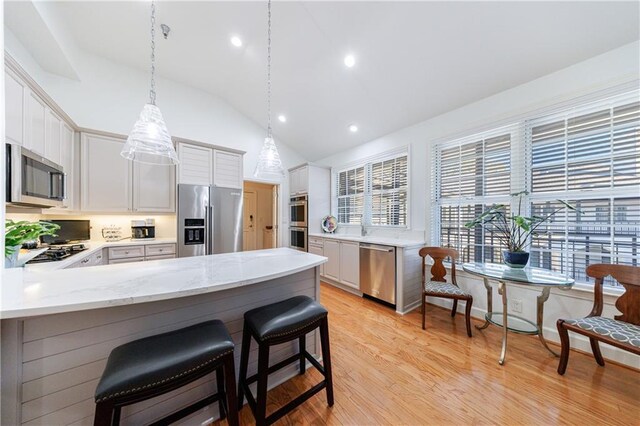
[94, 246]
[371, 239]
[26, 292]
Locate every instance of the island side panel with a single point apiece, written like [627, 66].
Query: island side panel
[62, 356]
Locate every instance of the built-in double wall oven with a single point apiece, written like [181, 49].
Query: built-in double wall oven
[298, 222]
[298, 238]
[298, 211]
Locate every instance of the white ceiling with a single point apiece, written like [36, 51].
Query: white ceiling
[415, 60]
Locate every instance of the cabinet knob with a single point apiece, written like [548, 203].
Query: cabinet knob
[99, 257]
[126, 252]
[161, 249]
[85, 260]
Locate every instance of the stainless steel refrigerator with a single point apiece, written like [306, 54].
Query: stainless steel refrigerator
[209, 220]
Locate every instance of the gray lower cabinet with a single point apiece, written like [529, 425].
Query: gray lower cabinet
[126, 260]
[95, 259]
[127, 254]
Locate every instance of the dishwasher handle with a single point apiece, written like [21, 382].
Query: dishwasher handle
[376, 248]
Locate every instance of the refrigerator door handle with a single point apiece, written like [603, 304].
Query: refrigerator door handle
[207, 233]
[211, 212]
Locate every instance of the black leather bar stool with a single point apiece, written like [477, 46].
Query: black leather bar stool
[149, 367]
[279, 323]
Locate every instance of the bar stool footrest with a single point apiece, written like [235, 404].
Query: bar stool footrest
[296, 401]
[172, 418]
[282, 411]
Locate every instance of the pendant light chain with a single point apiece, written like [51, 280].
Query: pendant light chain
[152, 92]
[269, 69]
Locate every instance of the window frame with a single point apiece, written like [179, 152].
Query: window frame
[516, 183]
[367, 163]
[522, 169]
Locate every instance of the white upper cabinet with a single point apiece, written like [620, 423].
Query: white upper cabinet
[196, 167]
[227, 169]
[67, 158]
[35, 133]
[52, 148]
[111, 183]
[200, 165]
[154, 188]
[14, 108]
[106, 176]
[299, 180]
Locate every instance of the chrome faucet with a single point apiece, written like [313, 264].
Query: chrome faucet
[363, 230]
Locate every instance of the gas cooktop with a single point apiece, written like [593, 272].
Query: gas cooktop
[58, 252]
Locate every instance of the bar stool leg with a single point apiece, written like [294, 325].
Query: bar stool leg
[303, 348]
[263, 376]
[104, 414]
[230, 385]
[326, 359]
[116, 416]
[221, 393]
[244, 362]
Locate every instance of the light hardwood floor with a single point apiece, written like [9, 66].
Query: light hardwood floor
[387, 370]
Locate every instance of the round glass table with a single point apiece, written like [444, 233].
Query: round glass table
[529, 276]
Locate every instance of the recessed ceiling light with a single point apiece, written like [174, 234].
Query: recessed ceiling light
[282, 118]
[349, 61]
[236, 41]
[353, 128]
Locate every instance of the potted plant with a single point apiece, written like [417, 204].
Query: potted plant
[514, 231]
[17, 233]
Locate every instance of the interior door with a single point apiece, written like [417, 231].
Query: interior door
[249, 221]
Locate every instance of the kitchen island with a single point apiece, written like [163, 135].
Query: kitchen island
[58, 327]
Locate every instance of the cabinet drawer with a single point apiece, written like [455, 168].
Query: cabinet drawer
[164, 256]
[159, 249]
[316, 241]
[125, 252]
[126, 260]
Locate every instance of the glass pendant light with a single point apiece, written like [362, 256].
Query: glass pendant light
[269, 164]
[149, 141]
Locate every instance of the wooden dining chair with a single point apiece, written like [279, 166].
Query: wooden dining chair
[437, 286]
[621, 331]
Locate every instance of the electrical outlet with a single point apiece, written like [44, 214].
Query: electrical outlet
[516, 305]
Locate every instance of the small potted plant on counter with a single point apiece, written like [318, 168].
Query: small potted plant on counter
[514, 231]
[17, 233]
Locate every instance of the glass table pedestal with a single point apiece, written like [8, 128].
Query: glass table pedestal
[528, 277]
[513, 323]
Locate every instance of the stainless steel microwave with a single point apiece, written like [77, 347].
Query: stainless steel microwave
[33, 181]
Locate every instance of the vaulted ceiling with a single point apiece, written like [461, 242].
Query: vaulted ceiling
[414, 60]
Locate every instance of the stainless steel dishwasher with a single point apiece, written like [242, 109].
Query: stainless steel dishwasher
[378, 272]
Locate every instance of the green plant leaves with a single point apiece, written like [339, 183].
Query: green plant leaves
[16, 233]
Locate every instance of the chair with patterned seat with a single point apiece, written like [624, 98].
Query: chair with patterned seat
[437, 286]
[621, 331]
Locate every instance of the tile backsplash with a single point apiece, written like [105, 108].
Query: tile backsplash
[165, 224]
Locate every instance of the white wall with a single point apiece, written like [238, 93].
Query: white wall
[109, 97]
[619, 67]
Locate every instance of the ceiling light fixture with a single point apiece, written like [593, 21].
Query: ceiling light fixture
[353, 128]
[236, 41]
[349, 61]
[282, 118]
[269, 165]
[149, 141]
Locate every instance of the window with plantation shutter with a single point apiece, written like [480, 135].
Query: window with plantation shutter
[389, 184]
[471, 175]
[375, 192]
[351, 188]
[590, 158]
